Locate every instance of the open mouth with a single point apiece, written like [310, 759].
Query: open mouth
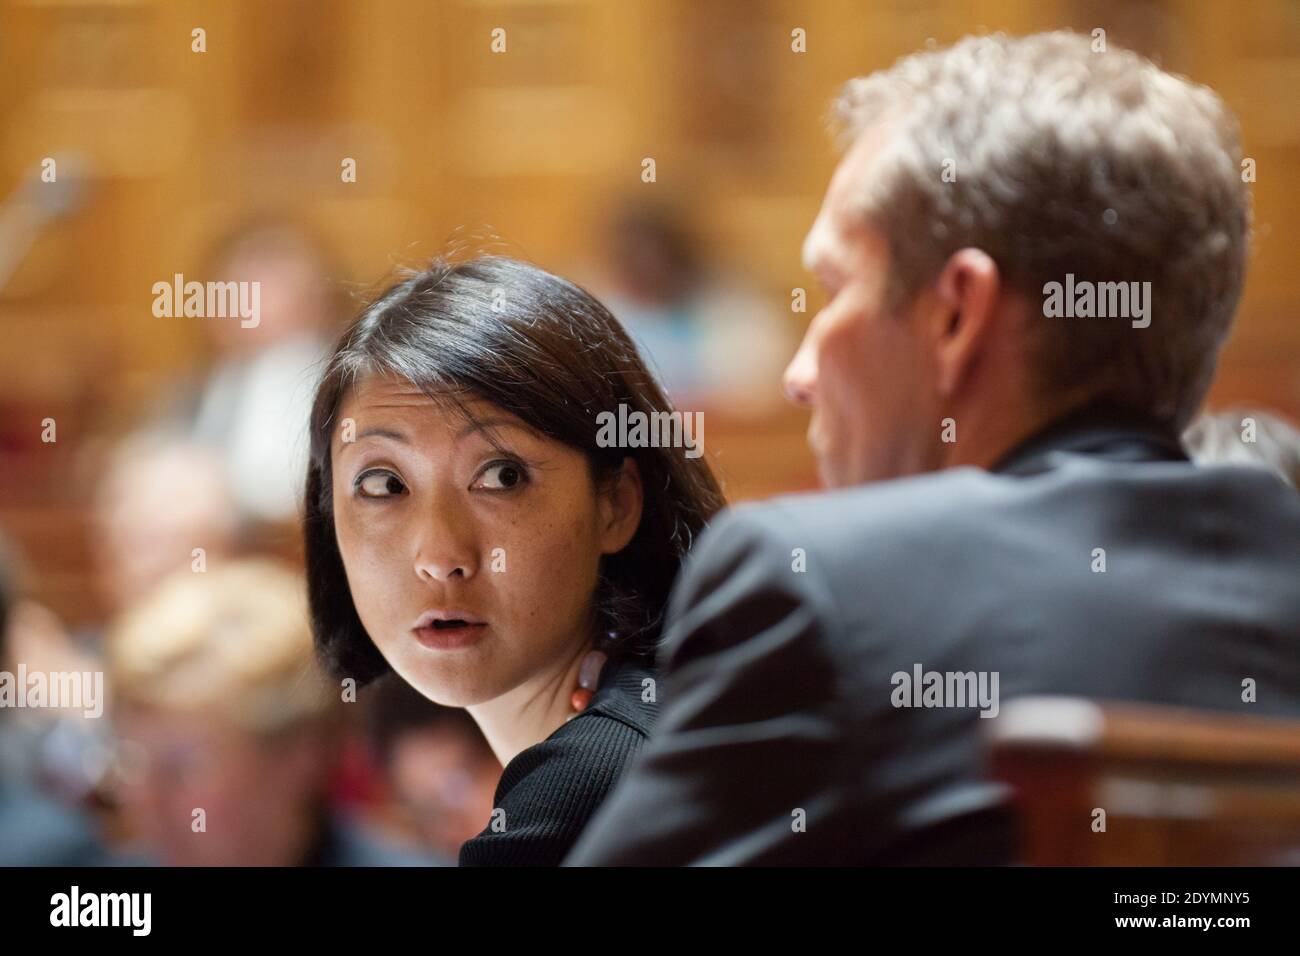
[447, 618]
[440, 630]
[452, 623]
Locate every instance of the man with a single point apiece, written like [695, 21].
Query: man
[1011, 510]
[229, 732]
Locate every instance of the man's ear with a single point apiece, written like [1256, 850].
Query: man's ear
[621, 500]
[968, 289]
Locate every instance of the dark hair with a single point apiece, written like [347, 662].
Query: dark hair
[547, 351]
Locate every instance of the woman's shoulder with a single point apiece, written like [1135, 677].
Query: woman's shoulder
[628, 692]
[549, 791]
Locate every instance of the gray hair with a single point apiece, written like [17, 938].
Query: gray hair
[1066, 160]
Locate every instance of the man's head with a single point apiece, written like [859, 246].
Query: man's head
[221, 705]
[975, 177]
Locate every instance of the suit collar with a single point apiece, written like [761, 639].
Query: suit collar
[1101, 430]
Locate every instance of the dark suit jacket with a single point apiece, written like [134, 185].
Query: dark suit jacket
[777, 689]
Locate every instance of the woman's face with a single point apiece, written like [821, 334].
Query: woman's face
[485, 525]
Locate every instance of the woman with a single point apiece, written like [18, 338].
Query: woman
[466, 528]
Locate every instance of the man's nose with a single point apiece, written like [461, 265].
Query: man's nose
[800, 377]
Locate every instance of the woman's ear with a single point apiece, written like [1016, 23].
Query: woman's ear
[621, 500]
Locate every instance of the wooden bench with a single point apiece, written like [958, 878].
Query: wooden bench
[1172, 787]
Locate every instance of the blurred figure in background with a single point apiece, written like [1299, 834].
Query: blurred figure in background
[713, 340]
[229, 732]
[159, 499]
[254, 405]
[442, 772]
[36, 828]
[1244, 436]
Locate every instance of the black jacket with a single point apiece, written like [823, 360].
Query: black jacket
[549, 791]
[780, 738]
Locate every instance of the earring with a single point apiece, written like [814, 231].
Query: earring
[589, 674]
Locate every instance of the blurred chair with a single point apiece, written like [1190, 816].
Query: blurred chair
[1178, 787]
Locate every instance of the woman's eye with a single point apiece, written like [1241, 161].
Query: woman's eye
[501, 476]
[379, 484]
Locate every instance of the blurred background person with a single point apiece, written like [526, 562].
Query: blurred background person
[37, 827]
[713, 339]
[1246, 436]
[251, 409]
[160, 505]
[229, 732]
[159, 498]
[441, 772]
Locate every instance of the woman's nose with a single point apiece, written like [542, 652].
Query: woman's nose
[443, 560]
[446, 549]
[441, 570]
